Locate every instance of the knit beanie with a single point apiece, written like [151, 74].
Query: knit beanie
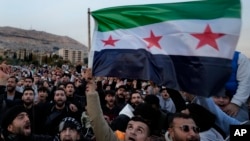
[10, 115]
[203, 118]
[69, 122]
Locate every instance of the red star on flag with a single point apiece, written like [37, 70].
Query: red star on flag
[208, 38]
[153, 40]
[110, 41]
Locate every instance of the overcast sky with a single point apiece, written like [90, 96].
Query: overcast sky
[69, 17]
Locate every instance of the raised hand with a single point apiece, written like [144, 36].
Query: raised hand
[5, 70]
[91, 86]
[231, 109]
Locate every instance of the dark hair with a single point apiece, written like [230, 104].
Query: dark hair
[143, 120]
[121, 86]
[43, 89]
[67, 74]
[203, 118]
[29, 77]
[133, 92]
[229, 94]
[59, 89]
[69, 83]
[162, 88]
[29, 89]
[178, 115]
[149, 114]
[16, 80]
[109, 92]
[152, 100]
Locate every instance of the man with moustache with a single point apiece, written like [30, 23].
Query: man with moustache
[120, 122]
[182, 127]
[16, 126]
[8, 95]
[36, 114]
[59, 110]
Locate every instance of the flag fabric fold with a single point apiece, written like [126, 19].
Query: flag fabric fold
[185, 46]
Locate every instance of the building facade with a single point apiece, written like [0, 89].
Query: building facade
[73, 55]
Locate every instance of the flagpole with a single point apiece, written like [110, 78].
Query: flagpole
[90, 58]
[89, 38]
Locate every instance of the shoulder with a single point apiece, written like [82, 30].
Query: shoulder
[42, 138]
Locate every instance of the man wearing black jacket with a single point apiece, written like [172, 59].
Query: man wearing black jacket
[16, 126]
[9, 97]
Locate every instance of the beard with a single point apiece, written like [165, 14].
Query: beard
[28, 103]
[24, 131]
[60, 104]
[10, 89]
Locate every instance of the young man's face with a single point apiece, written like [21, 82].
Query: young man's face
[20, 125]
[36, 79]
[69, 90]
[137, 131]
[69, 134]
[11, 84]
[110, 99]
[121, 92]
[136, 99]
[28, 97]
[28, 82]
[42, 95]
[60, 98]
[183, 130]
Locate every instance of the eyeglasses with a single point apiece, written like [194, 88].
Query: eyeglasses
[186, 128]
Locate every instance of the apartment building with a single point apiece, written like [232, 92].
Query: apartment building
[73, 55]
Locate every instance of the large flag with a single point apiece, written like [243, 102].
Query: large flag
[185, 46]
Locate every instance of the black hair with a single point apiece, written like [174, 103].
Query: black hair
[178, 115]
[203, 118]
[143, 120]
[149, 114]
[29, 89]
[59, 89]
[135, 91]
[69, 83]
[16, 80]
[29, 77]
[43, 89]
[110, 92]
[152, 100]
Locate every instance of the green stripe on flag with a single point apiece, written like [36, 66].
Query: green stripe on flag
[124, 17]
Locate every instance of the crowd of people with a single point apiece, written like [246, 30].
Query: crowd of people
[69, 104]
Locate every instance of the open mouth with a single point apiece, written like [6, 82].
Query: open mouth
[131, 139]
[27, 126]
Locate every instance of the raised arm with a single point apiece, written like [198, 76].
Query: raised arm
[100, 127]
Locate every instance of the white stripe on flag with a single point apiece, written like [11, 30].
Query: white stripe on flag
[177, 38]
